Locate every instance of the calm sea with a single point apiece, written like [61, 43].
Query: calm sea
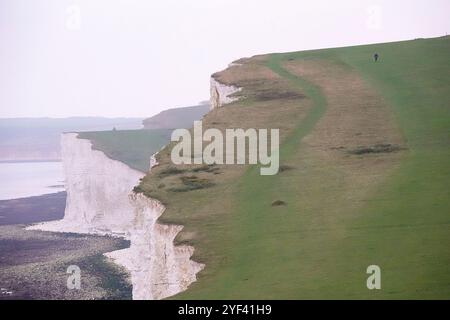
[27, 179]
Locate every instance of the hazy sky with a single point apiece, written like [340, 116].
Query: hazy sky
[63, 58]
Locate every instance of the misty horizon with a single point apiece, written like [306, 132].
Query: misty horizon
[104, 58]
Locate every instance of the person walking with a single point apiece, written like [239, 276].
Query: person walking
[375, 57]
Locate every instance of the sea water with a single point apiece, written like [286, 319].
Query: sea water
[27, 179]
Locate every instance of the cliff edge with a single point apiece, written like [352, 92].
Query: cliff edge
[100, 201]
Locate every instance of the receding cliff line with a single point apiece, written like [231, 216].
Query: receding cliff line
[100, 201]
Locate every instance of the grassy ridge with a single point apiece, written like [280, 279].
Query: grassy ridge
[410, 227]
[319, 245]
[406, 227]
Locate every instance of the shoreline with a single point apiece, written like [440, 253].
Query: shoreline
[38, 195]
[33, 209]
[33, 263]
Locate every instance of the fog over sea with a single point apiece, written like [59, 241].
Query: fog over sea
[27, 179]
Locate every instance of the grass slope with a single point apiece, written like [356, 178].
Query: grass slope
[409, 230]
[404, 228]
[342, 213]
[176, 118]
[132, 147]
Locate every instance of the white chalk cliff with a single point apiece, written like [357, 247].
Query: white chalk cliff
[100, 200]
[220, 94]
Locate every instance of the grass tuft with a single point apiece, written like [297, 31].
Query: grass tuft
[191, 183]
[378, 148]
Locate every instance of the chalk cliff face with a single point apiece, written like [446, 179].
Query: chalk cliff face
[100, 201]
[221, 93]
[158, 268]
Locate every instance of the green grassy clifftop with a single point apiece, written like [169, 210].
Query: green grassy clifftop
[365, 177]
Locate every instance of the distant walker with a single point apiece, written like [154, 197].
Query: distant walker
[375, 57]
